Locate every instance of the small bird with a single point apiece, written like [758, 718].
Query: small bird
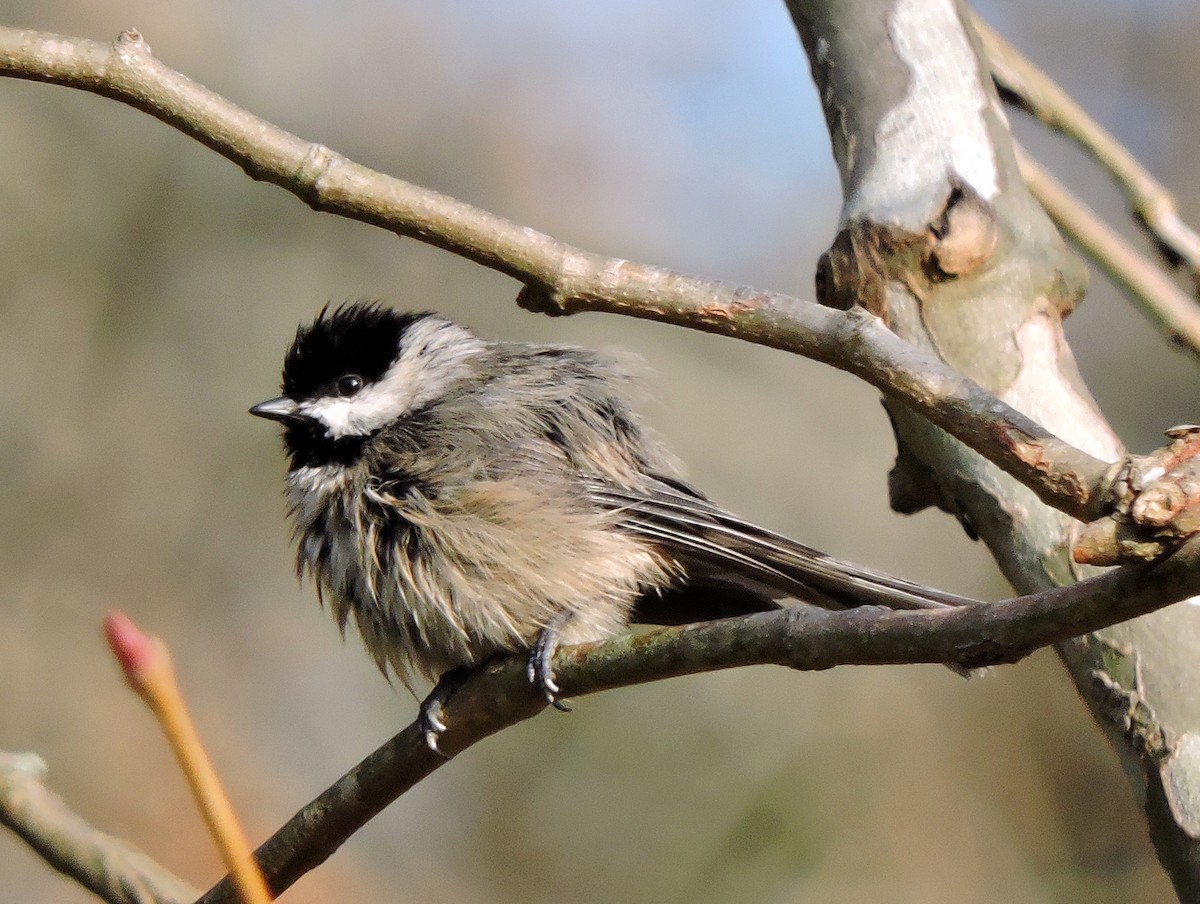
[463, 498]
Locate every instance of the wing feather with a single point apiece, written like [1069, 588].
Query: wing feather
[698, 533]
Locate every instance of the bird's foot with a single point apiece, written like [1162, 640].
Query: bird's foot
[541, 669]
[431, 720]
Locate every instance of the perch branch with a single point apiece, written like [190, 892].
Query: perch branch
[499, 695]
[803, 638]
[561, 279]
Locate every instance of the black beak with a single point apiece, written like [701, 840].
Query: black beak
[281, 409]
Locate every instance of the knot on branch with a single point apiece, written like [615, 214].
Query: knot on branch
[540, 299]
[865, 256]
[1156, 504]
[962, 239]
[131, 40]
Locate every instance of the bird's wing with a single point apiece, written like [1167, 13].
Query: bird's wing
[710, 541]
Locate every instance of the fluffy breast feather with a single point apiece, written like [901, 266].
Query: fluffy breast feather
[436, 580]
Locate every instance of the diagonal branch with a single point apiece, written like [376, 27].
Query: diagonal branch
[1031, 89]
[914, 117]
[499, 695]
[803, 638]
[111, 868]
[1172, 309]
[562, 279]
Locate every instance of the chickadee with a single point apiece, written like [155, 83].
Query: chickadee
[462, 498]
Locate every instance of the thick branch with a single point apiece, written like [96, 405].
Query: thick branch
[563, 279]
[803, 638]
[926, 160]
[109, 867]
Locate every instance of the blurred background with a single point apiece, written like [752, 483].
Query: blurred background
[148, 289]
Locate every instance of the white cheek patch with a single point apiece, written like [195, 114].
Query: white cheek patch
[345, 417]
[435, 353]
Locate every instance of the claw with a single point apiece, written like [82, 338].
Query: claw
[432, 726]
[540, 669]
[431, 719]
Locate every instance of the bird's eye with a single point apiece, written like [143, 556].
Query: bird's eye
[349, 384]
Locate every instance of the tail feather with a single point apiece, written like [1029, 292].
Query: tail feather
[742, 562]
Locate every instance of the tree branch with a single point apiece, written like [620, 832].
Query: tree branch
[804, 638]
[499, 695]
[1171, 309]
[923, 149]
[1031, 89]
[109, 867]
[562, 279]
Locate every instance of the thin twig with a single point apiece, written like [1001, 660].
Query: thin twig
[562, 279]
[111, 868]
[1027, 86]
[150, 673]
[1172, 309]
[803, 638]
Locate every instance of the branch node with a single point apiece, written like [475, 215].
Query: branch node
[865, 255]
[541, 300]
[130, 41]
[962, 238]
[1156, 504]
[317, 161]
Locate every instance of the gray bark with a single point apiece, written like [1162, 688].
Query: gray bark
[940, 237]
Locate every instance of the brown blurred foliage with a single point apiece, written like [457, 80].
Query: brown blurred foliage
[147, 291]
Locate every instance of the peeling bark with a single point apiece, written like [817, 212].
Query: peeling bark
[940, 238]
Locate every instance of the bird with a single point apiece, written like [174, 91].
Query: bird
[461, 498]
